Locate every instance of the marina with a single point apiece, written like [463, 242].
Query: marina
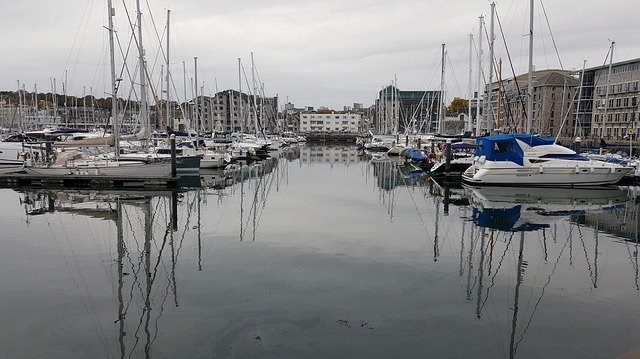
[320, 251]
[163, 196]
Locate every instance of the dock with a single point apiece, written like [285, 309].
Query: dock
[14, 179]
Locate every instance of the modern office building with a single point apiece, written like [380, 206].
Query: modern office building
[396, 110]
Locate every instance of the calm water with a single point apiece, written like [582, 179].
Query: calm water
[320, 254]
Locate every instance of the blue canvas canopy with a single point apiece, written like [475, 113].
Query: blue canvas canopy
[505, 148]
[504, 219]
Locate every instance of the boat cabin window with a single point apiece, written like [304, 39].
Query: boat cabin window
[501, 147]
[504, 147]
[167, 151]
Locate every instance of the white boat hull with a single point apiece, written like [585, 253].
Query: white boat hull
[579, 174]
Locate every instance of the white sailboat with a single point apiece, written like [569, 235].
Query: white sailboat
[79, 164]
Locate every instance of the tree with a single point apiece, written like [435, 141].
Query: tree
[458, 106]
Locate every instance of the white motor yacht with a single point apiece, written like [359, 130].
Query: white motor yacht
[521, 159]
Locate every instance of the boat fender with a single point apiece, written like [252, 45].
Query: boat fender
[577, 169]
[591, 169]
[540, 169]
[26, 156]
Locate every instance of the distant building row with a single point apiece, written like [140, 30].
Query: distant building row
[569, 104]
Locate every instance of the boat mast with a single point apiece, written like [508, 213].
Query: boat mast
[114, 98]
[469, 124]
[530, 78]
[168, 76]
[144, 116]
[575, 129]
[480, 79]
[499, 99]
[606, 96]
[489, 112]
[197, 102]
[240, 95]
[184, 88]
[216, 102]
[255, 93]
[84, 105]
[516, 297]
[394, 106]
[21, 112]
[441, 102]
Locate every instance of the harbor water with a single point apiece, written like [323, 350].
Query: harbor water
[320, 252]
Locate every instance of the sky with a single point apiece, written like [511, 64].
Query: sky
[329, 53]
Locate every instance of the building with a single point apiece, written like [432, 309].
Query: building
[232, 111]
[330, 121]
[609, 104]
[328, 154]
[405, 111]
[554, 92]
[291, 118]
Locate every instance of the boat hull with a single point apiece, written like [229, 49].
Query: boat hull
[544, 176]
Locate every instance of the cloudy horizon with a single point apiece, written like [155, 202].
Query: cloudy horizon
[328, 53]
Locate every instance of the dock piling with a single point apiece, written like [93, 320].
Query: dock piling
[173, 154]
[447, 164]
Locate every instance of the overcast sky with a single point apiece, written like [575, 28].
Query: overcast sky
[315, 53]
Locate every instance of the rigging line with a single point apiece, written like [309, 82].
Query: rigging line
[88, 304]
[82, 39]
[426, 228]
[544, 287]
[254, 206]
[160, 312]
[133, 266]
[265, 196]
[159, 51]
[215, 231]
[155, 28]
[125, 67]
[544, 45]
[513, 72]
[586, 255]
[453, 70]
[139, 46]
[564, 119]
[87, 8]
[493, 278]
[75, 282]
[533, 282]
[553, 40]
[101, 63]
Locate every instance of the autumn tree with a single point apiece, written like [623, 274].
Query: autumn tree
[458, 106]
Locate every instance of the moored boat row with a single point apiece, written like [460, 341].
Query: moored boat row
[513, 160]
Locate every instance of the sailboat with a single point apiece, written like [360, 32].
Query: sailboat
[79, 164]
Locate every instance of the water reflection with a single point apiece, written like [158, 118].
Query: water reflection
[530, 209]
[491, 262]
[498, 222]
[520, 210]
